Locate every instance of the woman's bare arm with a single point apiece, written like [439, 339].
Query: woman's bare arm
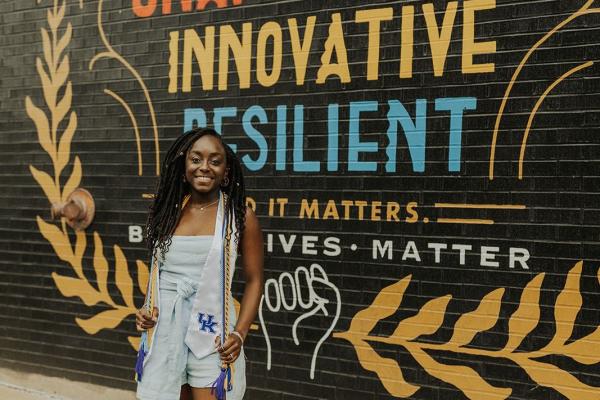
[252, 261]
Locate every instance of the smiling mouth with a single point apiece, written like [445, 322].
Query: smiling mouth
[203, 178]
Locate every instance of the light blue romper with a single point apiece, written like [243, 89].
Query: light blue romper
[172, 364]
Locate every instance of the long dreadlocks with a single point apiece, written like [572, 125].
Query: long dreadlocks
[165, 211]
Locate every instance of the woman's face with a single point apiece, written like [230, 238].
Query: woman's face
[205, 165]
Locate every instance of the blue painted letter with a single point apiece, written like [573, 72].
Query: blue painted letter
[456, 106]
[256, 136]
[355, 146]
[414, 133]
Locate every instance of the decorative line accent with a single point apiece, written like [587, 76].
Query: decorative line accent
[111, 53]
[482, 206]
[539, 103]
[585, 9]
[133, 122]
[465, 221]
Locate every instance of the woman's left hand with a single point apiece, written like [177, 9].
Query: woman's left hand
[231, 348]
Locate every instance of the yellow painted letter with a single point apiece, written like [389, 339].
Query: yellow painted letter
[469, 46]
[439, 39]
[300, 52]
[374, 18]
[406, 47]
[334, 42]
[242, 52]
[173, 61]
[204, 54]
[274, 30]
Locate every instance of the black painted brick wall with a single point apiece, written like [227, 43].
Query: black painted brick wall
[561, 187]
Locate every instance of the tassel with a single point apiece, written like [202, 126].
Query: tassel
[139, 364]
[218, 386]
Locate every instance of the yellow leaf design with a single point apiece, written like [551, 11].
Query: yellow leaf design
[64, 104]
[464, 378]
[426, 322]
[385, 304]
[527, 315]
[42, 126]
[566, 309]
[58, 240]
[101, 267]
[585, 350]
[64, 40]
[61, 13]
[46, 183]
[64, 146]
[62, 73]
[74, 180]
[550, 375]
[479, 320]
[134, 341]
[143, 275]
[105, 320]
[47, 47]
[75, 287]
[122, 277]
[48, 88]
[80, 244]
[387, 370]
[52, 21]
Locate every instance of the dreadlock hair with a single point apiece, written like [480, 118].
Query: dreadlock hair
[165, 211]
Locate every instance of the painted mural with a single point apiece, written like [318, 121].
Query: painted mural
[426, 174]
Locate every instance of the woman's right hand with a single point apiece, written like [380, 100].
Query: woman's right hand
[145, 321]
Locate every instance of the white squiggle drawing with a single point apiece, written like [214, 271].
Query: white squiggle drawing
[313, 304]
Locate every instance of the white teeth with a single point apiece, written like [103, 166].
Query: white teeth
[203, 178]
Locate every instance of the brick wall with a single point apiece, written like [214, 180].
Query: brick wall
[426, 175]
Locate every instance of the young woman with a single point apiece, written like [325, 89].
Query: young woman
[191, 345]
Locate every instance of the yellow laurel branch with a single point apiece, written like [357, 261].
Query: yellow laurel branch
[479, 320]
[54, 75]
[521, 323]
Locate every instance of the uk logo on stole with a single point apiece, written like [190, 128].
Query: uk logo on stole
[207, 323]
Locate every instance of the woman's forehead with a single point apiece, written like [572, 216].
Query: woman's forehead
[207, 144]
